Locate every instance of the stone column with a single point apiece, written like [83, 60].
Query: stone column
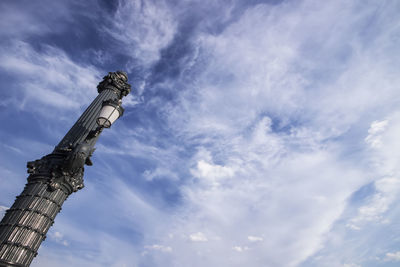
[53, 178]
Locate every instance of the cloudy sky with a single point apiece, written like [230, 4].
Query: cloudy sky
[259, 133]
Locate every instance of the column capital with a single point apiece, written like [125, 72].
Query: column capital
[116, 81]
[63, 169]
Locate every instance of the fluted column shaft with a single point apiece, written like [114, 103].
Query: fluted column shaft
[87, 121]
[52, 179]
[26, 223]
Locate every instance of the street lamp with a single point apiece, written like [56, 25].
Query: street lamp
[110, 112]
[56, 176]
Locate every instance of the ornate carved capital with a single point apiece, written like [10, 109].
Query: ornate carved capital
[63, 169]
[117, 81]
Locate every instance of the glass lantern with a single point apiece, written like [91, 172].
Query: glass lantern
[109, 113]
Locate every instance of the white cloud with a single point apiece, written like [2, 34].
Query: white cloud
[212, 173]
[144, 28]
[198, 237]
[131, 100]
[387, 189]
[254, 238]
[47, 79]
[279, 67]
[374, 137]
[58, 237]
[373, 211]
[159, 248]
[351, 265]
[281, 110]
[268, 187]
[381, 138]
[392, 256]
[240, 249]
[160, 173]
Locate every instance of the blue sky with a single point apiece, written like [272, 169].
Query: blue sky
[259, 133]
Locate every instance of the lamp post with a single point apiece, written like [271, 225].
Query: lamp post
[57, 175]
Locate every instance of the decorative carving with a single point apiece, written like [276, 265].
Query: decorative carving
[63, 168]
[74, 180]
[117, 81]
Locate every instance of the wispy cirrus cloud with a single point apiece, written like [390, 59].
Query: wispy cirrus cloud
[267, 105]
[261, 132]
[49, 77]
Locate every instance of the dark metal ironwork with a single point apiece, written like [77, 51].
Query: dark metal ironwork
[53, 178]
